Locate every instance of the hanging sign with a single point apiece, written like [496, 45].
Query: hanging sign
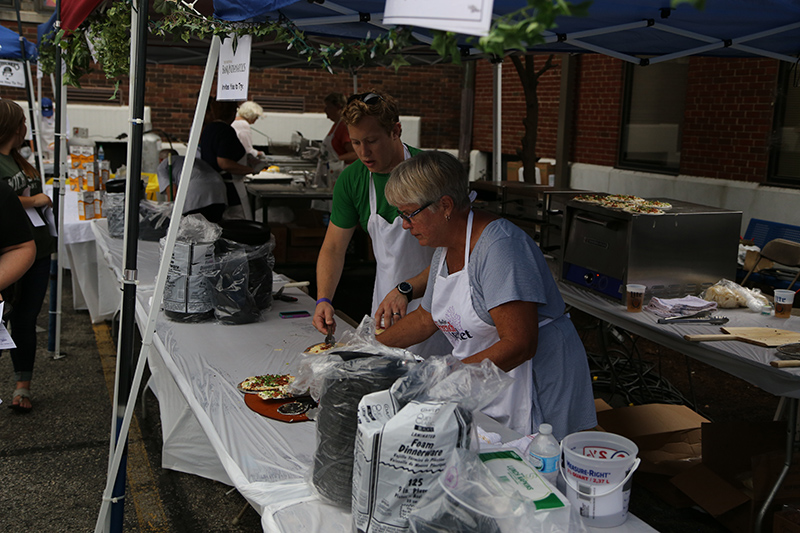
[12, 73]
[470, 17]
[234, 69]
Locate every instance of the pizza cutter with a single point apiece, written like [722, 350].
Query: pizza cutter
[286, 298]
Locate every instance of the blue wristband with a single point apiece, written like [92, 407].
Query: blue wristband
[324, 300]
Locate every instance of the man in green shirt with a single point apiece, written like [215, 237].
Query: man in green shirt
[373, 122]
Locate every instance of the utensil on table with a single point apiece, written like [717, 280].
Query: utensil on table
[286, 298]
[329, 339]
[681, 318]
[714, 320]
[766, 337]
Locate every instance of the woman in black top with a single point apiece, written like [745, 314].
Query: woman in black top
[29, 291]
[220, 146]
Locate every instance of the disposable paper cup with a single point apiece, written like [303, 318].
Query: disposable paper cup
[783, 303]
[635, 297]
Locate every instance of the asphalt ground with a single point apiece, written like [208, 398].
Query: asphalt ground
[53, 460]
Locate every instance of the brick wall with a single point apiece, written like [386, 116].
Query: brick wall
[513, 108]
[728, 118]
[598, 110]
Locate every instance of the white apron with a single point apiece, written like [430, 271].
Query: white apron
[455, 316]
[399, 257]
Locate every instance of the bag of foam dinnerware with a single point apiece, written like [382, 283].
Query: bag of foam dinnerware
[406, 435]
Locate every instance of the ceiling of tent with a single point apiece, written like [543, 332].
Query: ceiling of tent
[722, 28]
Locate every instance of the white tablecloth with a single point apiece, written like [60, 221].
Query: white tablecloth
[207, 428]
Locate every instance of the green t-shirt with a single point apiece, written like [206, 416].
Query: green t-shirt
[351, 196]
[18, 181]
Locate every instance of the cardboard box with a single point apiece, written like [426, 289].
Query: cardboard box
[668, 436]
[512, 170]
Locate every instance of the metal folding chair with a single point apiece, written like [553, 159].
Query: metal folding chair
[780, 251]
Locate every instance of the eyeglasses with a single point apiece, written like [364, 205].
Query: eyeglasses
[367, 98]
[409, 216]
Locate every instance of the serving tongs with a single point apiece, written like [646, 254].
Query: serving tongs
[701, 317]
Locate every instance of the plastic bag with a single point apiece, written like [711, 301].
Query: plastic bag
[343, 384]
[468, 498]
[153, 220]
[730, 295]
[241, 281]
[114, 209]
[406, 434]
[196, 228]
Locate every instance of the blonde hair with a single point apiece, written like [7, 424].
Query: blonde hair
[427, 177]
[381, 106]
[250, 110]
[12, 118]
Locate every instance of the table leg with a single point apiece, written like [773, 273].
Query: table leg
[791, 432]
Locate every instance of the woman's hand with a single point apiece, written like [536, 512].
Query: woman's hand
[42, 200]
[391, 309]
[323, 318]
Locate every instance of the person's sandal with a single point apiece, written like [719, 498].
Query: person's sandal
[21, 393]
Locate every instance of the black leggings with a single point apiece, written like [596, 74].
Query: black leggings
[29, 294]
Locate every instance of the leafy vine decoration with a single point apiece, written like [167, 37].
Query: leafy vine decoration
[105, 37]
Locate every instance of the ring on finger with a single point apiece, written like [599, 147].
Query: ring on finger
[396, 314]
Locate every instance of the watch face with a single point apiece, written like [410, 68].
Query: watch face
[405, 288]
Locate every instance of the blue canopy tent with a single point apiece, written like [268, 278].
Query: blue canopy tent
[10, 47]
[621, 29]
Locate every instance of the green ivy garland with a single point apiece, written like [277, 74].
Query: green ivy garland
[108, 31]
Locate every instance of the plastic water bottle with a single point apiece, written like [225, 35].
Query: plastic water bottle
[101, 155]
[545, 452]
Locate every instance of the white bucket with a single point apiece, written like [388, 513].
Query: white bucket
[597, 468]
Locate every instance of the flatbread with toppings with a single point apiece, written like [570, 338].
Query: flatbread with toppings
[626, 198]
[644, 210]
[272, 385]
[615, 204]
[322, 347]
[657, 204]
[590, 198]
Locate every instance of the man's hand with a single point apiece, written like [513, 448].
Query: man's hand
[391, 309]
[323, 318]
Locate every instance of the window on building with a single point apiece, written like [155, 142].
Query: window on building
[652, 117]
[785, 146]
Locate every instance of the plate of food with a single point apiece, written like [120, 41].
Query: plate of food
[268, 386]
[285, 410]
[626, 198]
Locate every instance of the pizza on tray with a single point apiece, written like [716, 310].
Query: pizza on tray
[590, 198]
[657, 204]
[268, 386]
[625, 198]
[644, 210]
[321, 347]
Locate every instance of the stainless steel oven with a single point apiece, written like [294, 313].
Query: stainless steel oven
[680, 252]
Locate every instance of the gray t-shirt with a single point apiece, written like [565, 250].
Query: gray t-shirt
[505, 266]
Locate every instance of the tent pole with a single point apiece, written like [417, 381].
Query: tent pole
[59, 192]
[172, 233]
[497, 130]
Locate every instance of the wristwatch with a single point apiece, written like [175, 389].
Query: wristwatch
[405, 289]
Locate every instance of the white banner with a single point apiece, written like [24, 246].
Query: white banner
[471, 18]
[12, 73]
[234, 69]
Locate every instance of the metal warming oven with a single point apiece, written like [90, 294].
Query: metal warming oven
[683, 251]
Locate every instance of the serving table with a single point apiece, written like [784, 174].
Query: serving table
[207, 428]
[743, 360]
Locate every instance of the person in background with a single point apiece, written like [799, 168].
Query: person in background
[246, 115]
[221, 149]
[30, 290]
[338, 139]
[17, 249]
[206, 194]
[373, 123]
[491, 293]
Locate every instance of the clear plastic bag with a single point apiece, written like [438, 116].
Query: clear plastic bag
[468, 498]
[114, 209]
[241, 281]
[406, 434]
[153, 220]
[730, 295]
